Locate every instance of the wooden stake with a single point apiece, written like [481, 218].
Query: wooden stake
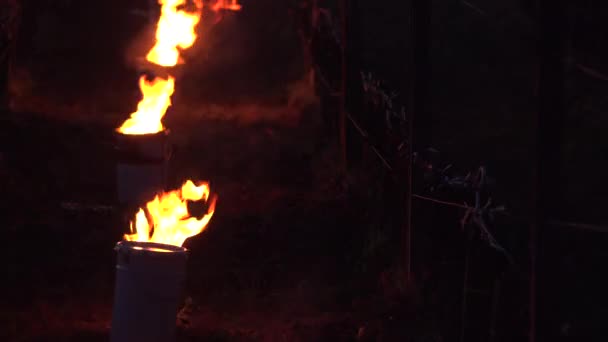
[550, 123]
[344, 84]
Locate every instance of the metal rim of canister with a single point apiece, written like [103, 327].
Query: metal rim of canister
[149, 247]
[126, 143]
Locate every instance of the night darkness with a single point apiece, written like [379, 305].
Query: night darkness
[409, 170]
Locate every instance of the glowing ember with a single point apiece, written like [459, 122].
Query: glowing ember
[152, 107]
[167, 220]
[175, 29]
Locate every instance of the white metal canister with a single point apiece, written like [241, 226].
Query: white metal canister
[141, 168]
[149, 282]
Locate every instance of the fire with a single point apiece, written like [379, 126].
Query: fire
[152, 107]
[167, 220]
[175, 29]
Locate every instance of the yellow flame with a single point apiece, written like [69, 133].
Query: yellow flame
[176, 28]
[156, 98]
[168, 220]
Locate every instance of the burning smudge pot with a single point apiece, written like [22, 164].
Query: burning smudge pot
[149, 282]
[151, 266]
[142, 165]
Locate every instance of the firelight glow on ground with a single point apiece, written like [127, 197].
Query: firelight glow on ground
[166, 219]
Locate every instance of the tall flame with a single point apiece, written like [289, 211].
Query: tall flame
[175, 30]
[168, 220]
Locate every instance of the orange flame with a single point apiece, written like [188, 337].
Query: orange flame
[175, 29]
[231, 5]
[152, 107]
[168, 221]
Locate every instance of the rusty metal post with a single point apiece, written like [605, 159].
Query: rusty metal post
[8, 34]
[418, 121]
[550, 124]
[407, 224]
[422, 13]
[4, 63]
[344, 8]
